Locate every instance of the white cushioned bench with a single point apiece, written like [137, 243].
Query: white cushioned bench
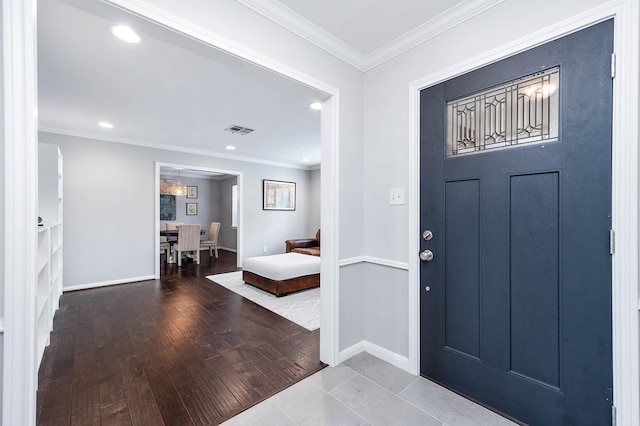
[281, 274]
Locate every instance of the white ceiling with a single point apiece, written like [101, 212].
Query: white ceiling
[367, 25]
[172, 92]
[167, 90]
[367, 33]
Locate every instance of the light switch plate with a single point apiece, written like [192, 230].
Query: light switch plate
[396, 196]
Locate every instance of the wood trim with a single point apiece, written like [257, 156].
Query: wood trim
[107, 283]
[375, 261]
[307, 30]
[626, 374]
[284, 287]
[626, 371]
[330, 225]
[168, 147]
[20, 363]
[377, 351]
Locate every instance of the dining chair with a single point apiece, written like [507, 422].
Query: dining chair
[166, 247]
[212, 242]
[188, 240]
[172, 225]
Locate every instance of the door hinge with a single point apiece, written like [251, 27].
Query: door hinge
[612, 241]
[613, 65]
[613, 415]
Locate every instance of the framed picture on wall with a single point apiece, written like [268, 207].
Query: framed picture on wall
[192, 192]
[167, 207]
[278, 195]
[192, 209]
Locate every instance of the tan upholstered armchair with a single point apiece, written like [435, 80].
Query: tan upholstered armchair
[309, 246]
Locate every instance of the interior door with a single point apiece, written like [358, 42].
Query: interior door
[515, 307]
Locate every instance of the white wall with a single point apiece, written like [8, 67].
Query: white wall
[110, 213]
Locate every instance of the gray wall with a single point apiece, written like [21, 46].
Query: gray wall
[228, 236]
[109, 207]
[314, 202]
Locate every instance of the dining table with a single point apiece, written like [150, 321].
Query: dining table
[169, 233]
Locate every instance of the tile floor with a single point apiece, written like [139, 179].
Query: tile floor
[366, 391]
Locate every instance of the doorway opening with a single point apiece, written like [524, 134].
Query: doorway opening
[210, 201]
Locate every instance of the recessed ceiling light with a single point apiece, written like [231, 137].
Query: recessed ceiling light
[230, 147]
[125, 33]
[316, 105]
[304, 160]
[105, 125]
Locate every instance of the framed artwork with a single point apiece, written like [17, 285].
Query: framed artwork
[192, 192]
[278, 195]
[192, 209]
[167, 207]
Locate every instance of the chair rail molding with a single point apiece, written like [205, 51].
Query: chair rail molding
[626, 13]
[375, 261]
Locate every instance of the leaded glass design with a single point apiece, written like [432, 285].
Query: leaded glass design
[516, 113]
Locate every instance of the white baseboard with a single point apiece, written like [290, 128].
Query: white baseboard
[378, 351]
[228, 249]
[107, 283]
[220, 248]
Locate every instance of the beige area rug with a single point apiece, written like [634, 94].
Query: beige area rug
[302, 307]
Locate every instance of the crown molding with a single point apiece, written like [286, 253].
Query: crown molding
[302, 27]
[292, 21]
[443, 22]
[168, 147]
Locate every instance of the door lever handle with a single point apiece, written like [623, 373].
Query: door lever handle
[426, 255]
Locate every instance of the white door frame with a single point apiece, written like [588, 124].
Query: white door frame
[240, 232]
[330, 190]
[625, 187]
[20, 362]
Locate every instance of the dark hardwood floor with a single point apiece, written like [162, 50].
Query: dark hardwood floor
[176, 351]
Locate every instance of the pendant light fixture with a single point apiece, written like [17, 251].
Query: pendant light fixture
[178, 188]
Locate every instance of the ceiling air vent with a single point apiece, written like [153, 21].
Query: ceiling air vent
[239, 129]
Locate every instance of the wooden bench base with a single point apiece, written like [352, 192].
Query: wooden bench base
[284, 287]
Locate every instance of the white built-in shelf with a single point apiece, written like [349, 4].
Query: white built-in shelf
[49, 260]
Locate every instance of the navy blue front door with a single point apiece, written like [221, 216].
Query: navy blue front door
[515, 306]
